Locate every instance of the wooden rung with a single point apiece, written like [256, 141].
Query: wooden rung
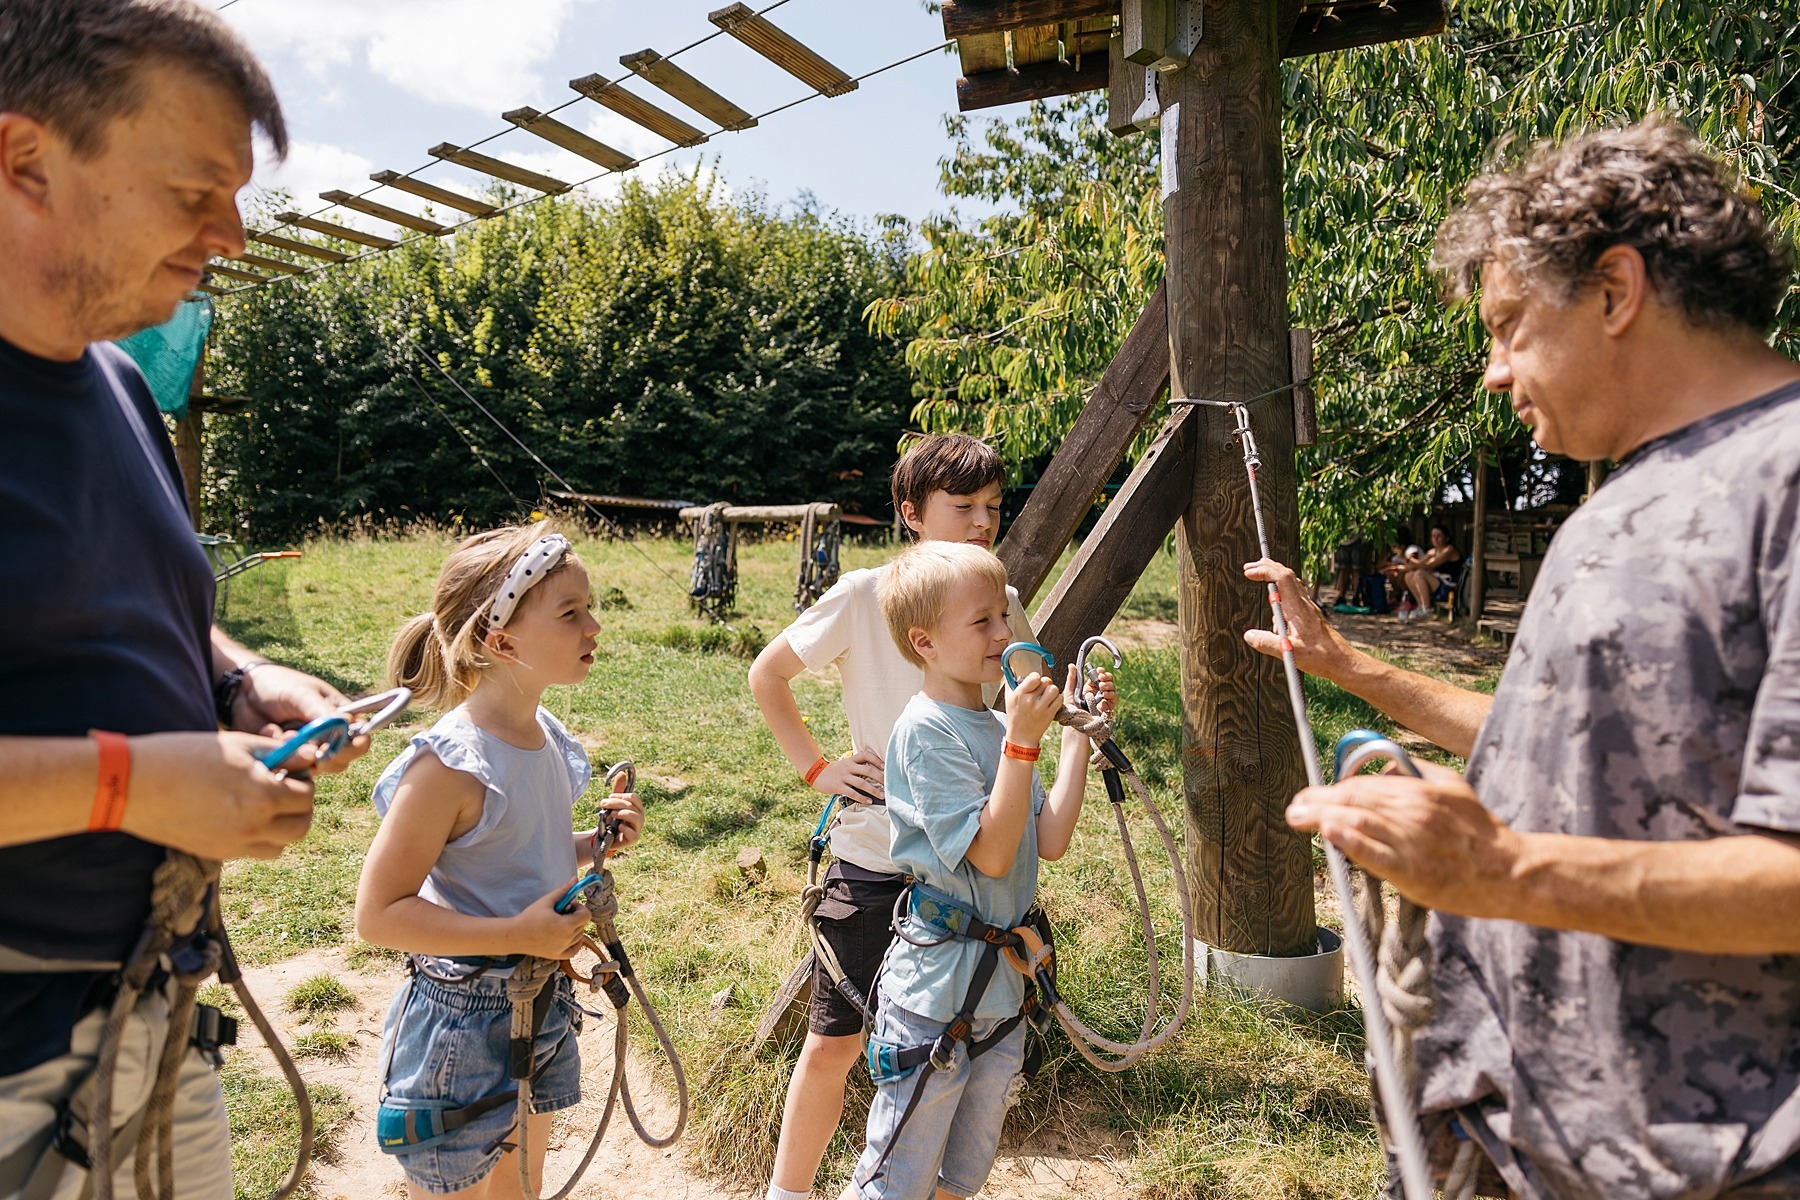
[434, 193]
[297, 247]
[636, 109]
[556, 133]
[336, 231]
[499, 170]
[209, 289]
[659, 71]
[966, 18]
[230, 272]
[782, 49]
[270, 264]
[396, 216]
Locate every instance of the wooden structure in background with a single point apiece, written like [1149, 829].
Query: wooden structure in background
[1206, 74]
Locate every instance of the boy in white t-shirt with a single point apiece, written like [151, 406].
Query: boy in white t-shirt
[946, 488]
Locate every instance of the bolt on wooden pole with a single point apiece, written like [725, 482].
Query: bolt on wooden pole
[1228, 340]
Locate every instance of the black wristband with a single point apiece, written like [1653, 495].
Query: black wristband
[227, 686]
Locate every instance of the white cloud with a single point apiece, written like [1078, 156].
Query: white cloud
[454, 52]
[311, 168]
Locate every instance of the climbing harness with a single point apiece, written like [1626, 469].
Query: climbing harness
[1403, 967]
[811, 896]
[183, 942]
[331, 733]
[529, 990]
[1029, 947]
[818, 558]
[715, 560]
[1115, 771]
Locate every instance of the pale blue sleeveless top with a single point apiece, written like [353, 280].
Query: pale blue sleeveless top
[524, 844]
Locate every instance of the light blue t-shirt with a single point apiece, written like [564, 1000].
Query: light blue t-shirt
[523, 846]
[941, 764]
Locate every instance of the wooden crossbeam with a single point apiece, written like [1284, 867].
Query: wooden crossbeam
[209, 289]
[336, 231]
[570, 139]
[270, 264]
[782, 49]
[1341, 27]
[638, 110]
[475, 161]
[231, 272]
[392, 215]
[968, 18]
[1115, 413]
[660, 72]
[1038, 81]
[434, 193]
[293, 246]
[1130, 532]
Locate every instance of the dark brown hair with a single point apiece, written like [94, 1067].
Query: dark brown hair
[1550, 213]
[76, 65]
[944, 462]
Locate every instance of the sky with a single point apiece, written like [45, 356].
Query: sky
[370, 84]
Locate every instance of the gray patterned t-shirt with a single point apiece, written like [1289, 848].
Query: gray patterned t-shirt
[1653, 694]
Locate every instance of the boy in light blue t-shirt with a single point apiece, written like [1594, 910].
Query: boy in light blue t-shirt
[970, 820]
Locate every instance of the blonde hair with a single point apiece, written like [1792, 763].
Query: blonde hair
[441, 654]
[915, 587]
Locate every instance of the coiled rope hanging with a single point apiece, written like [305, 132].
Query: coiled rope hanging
[1397, 994]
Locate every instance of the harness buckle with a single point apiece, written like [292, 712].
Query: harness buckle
[943, 1050]
[212, 1029]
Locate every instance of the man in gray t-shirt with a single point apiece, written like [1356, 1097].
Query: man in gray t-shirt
[1616, 950]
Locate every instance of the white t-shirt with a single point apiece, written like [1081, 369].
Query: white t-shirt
[845, 627]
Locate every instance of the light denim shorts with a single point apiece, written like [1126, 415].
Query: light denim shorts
[451, 1051]
[953, 1134]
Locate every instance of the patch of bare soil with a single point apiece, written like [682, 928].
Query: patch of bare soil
[625, 1169]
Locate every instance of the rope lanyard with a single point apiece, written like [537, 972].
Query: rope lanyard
[615, 976]
[1395, 1090]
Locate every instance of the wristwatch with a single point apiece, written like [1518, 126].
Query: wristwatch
[227, 686]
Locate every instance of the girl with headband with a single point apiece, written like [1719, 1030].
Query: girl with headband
[475, 850]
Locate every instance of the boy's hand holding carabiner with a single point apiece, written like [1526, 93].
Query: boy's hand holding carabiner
[1031, 708]
[1101, 693]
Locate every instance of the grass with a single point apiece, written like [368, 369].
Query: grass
[1246, 1102]
[320, 996]
[265, 1127]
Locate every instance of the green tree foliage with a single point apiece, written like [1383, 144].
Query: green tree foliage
[668, 342]
[1009, 322]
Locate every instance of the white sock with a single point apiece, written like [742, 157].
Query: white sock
[776, 1193]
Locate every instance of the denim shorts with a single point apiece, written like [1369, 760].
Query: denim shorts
[451, 1050]
[953, 1134]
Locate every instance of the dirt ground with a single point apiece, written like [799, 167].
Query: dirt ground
[625, 1169]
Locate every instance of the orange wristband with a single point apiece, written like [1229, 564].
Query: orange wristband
[817, 769]
[115, 779]
[1022, 753]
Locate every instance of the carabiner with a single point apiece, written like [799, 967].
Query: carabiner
[1006, 657]
[333, 732]
[1090, 676]
[1359, 747]
[567, 903]
[607, 835]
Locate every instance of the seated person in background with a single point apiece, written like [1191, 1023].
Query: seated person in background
[1431, 576]
[1350, 561]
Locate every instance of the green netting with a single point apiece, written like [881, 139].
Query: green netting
[169, 353]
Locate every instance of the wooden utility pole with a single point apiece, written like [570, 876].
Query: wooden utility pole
[1228, 340]
[190, 434]
[1478, 539]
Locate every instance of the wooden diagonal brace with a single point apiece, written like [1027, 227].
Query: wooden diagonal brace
[1129, 534]
[1116, 412]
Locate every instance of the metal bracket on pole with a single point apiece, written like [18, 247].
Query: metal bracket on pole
[1149, 111]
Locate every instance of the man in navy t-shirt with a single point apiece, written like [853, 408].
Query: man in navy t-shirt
[125, 135]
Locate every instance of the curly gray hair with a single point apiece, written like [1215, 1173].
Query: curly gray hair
[1551, 212]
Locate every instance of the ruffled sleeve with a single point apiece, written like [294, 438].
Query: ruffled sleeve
[450, 742]
[581, 772]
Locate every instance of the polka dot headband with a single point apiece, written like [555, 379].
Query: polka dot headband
[531, 568]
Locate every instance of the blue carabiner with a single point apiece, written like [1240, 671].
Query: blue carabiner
[567, 903]
[330, 734]
[1021, 648]
[1359, 747]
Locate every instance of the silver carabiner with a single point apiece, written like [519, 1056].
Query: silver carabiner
[1090, 676]
[384, 705]
[1358, 748]
[623, 768]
